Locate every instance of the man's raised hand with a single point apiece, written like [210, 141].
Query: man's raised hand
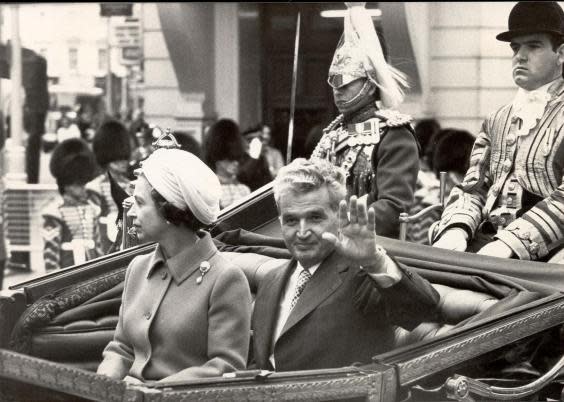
[357, 234]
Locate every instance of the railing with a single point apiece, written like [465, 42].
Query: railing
[21, 216]
[460, 387]
[406, 219]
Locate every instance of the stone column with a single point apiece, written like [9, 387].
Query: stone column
[15, 150]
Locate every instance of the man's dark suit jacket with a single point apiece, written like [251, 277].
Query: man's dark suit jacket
[341, 318]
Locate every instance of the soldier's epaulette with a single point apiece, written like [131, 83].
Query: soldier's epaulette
[393, 118]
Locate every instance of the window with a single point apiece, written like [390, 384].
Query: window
[73, 58]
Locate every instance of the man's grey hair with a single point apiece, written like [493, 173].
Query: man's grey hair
[306, 175]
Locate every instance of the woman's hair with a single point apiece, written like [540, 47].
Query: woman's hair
[223, 142]
[175, 215]
[306, 175]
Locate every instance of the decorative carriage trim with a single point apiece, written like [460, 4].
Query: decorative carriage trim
[477, 342]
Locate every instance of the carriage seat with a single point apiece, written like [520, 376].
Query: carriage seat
[73, 326]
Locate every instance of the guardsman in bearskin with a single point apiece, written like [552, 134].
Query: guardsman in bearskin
[376, 146]
[70, 221]
[112, 148]
[511, 201]
[223, 152]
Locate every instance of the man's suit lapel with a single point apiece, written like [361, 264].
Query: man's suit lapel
[266, 311]
[324, 282]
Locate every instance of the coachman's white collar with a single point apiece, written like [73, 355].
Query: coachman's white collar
[529, 106]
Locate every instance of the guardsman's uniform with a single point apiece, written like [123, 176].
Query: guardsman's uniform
[375, 145]
[112, 148]
[70, 220]
[381, 161]
[70, 232]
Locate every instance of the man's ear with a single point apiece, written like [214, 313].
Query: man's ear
[560, 52]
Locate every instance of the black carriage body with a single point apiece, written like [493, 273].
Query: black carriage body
[406, 372]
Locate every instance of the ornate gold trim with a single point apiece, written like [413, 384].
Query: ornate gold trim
[59, 377]
[473, 343]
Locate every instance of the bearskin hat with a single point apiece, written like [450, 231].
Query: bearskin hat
[111, 143]
[223, 142]
[452, 151]
[188, 143]
[72, 162]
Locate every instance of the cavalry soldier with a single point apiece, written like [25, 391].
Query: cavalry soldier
[70, 221]
[510, 203]
[376, 147]
[112, 148]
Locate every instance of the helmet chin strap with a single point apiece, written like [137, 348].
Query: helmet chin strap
[365, 96]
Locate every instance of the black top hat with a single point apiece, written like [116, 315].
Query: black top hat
[528, 17]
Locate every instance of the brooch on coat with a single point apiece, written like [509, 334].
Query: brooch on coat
[204, 268]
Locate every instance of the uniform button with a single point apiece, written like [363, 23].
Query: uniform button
[502, 221]
[507, 165]
[511, 186]
[510, 139]
[509, 201]
[164, 275]
[148, 315]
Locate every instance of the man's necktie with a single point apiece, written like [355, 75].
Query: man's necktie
[303, 278]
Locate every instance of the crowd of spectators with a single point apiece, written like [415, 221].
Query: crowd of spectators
[243, 162]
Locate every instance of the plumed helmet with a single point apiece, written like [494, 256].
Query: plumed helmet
[223, 142]
[359, 54]
[529, 17]
[111, 143]
[72, 162]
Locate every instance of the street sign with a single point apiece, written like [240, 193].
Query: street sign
[127, 33]
[116, 9]
[131, 54]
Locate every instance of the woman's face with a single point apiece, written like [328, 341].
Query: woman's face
[149, 224]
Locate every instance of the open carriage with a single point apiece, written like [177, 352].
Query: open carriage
[501, 321]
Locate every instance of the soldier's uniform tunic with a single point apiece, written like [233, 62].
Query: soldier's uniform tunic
[380, 157]
[64, 220]
[99, 190]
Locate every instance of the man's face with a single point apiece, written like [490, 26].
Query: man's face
[346, 93]
[535, 63]
[77, 191]
[118, 168]
[147, 221]
[304, 218]
[227, 168]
